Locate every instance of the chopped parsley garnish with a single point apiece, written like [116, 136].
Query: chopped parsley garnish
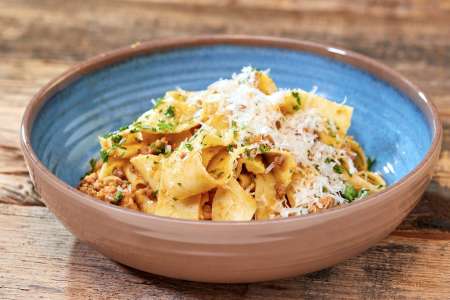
[338, 169]
[158, 148]
[155, 193]
[362, 193]
[229, 147]
[349, 193]
[164, 126]
[298, 99]
[158, 102]
[179, 184]
[264, 148]
[370, 162]
[188, 146]
[233, 124]
[136, 127]
[170, 112]
[116, 138]
[296, 107]
[92, 163]
[118, 197]
[123, 128]
[104, 155]
[329, 160]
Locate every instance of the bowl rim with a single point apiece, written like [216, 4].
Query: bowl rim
[359, 61]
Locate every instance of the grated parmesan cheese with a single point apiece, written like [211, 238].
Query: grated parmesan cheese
[256, 113]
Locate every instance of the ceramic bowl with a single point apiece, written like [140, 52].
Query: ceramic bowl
[393, 120]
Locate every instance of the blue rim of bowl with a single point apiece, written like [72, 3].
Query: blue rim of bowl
[362, 62]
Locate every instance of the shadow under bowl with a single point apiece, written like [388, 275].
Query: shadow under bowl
[393, 120]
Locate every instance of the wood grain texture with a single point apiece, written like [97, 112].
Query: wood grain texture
[51, 263]
[41, 39]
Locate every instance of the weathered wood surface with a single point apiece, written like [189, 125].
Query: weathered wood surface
[50, 262]
[41, 39]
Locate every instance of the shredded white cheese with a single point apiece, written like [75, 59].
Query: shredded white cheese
[256, 113]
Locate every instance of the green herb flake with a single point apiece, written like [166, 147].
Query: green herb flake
[264, 148]
[229, 147]
[179, 184]
[362, 193]
[164, 126]
[338, 169]
[233, 124]
[136, 127]
[296, 107]
[123, 128]
[155, 194]
[170, 112]
[329, 160]
[118, 197]
[298, 98]
[370, 162]
[116, 138]
[104, 155]
[93, 164]
[349, 193]
[158, 148]
[188, 146]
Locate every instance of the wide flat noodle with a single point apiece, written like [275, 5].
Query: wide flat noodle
[339, 113]
[148, 166]
[181, 117]
[169, 206]
[367, 180]
[177, 174]
[133, 178]
[254, 165]
[232, 203]
[108, 167]
[265, 195]
[144, 202]
[285, 166]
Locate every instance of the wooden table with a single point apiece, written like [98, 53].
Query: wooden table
[41, 39]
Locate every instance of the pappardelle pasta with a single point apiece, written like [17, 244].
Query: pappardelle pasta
[240, 150]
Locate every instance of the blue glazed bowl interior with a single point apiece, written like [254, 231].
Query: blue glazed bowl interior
[64, 134]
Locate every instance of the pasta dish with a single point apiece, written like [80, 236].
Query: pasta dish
[240, 150]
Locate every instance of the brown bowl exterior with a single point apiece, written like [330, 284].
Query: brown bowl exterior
[231, 252]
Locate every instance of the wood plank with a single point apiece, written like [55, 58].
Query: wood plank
[398, 31]
[32, 241]
[20, 79]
